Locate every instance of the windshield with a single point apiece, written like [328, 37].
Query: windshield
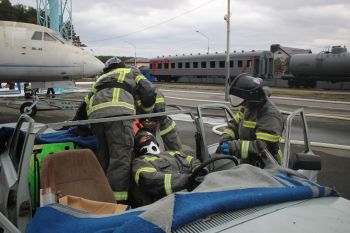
[59, 37]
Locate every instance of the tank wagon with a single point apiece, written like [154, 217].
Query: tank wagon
[171, 68]
[306, 69]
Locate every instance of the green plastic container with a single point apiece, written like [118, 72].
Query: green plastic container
[39, 153]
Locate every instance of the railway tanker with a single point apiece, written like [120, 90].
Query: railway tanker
[306, 69]
[171, 68]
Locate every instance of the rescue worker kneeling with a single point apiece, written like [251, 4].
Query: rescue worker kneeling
[160, 173]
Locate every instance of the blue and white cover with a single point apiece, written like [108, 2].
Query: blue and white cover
[241, 187]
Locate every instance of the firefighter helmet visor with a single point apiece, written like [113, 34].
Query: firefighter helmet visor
[236, 101]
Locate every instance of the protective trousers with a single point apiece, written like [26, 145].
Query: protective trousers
[115, 142]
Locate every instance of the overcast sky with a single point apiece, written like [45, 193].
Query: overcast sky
[106, 25]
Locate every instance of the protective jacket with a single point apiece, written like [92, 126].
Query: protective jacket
[167, 127]
[254, 128]
[113, 94]
[160, 175]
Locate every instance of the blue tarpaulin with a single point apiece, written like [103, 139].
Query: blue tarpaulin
[241, 187]
[67, 136]
[54, 137]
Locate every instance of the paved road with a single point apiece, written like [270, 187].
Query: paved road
[325, 130]
[311, 106]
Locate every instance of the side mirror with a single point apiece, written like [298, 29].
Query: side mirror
[306, 162]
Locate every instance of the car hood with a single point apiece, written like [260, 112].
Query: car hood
[328, 214]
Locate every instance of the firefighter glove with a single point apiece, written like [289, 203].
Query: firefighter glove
[225, 148]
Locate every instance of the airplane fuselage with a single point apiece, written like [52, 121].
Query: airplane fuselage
[34, 53]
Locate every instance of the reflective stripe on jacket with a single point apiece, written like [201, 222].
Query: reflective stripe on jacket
[160, 175]
[114, 101]
[167, 126]
[257, 127]
[159, 104]
[121, 196]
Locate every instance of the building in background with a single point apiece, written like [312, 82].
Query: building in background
[140, 61]
[282, 55]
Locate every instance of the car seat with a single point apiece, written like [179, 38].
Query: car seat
[76, 173]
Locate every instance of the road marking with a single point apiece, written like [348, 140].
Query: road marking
[272, 97]
[84, 83]
[282, 111]
[222, 94]
[310, 100]
[194, 92]
[211, 101]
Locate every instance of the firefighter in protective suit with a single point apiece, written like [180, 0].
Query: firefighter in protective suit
[257, 126]
[113, 95]
[159, 173]
[167, 126]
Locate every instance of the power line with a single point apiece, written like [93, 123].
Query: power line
[154, 25]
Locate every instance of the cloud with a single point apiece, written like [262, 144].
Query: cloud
[169, 27]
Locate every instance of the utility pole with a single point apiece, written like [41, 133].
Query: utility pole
[135, 51]
[227, 79]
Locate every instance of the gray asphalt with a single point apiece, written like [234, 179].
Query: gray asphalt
[333, 108]
[334, 131]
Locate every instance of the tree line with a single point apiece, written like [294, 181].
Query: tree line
[28, 14]
[18, 12]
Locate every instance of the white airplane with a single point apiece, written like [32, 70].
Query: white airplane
[36, 54]
[32, 53]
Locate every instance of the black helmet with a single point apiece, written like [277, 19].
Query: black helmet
[113, 63]
[246, 88]
[145, 143]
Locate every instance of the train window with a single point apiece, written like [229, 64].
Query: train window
[173, 65]
[179, 65]
[204, 64]
[48, 37]
[159, 66]
[212, 64]
[249, 63]
[222, 64]
[187, 65]
[240, 63]
[166, 65]
[37, 36]
[231, 63]
[195, 64]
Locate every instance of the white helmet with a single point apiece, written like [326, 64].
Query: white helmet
[150, 149]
